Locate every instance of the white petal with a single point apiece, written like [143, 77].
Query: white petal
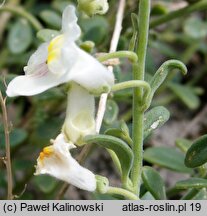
[60, 164]
[76, 65]
[36, 83]
[69, 23]
[80, 114]
[37, 58]
[90, 73]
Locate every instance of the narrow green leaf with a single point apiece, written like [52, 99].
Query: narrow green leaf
[154, 183]
[186, 94]
[111, 112]
[134, 19]
[20, 36]
[166, 157]
[122, 150]
[197, 153]
[183, 144]
[119, 133]
[154, 119]
[162, 73]
[51, 18]
[191, 183]
[47, 34]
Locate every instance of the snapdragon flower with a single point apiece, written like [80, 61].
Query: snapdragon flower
[56, 160]
[62, 61]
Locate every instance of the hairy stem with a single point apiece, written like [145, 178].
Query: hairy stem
[138, 74]
[119, 191]
[7, 142]
[139, 84]
[119, 54]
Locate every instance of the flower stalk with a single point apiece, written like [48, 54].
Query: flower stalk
[7, 160]
[119, 54]
[120, 191]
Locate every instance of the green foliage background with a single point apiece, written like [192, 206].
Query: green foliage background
[35, 120]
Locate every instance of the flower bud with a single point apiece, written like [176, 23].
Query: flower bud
[92, 7]
[102, 184]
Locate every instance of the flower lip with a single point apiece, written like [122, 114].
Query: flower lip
[61, 61]
[56, 160]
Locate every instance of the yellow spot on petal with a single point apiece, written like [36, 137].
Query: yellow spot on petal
[54, 48]
[47, 151]
[42, 155]
[55, 43]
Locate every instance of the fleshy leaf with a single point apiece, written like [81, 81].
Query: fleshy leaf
[162, 73]
[154, 119]
[51, 18]
[111, 112]
[20, 36]
[47, 34]
[197, 153]
[116, 132]
[166, 157]
[154, 183]
[122, 150]
[191, 183]
[186, 94]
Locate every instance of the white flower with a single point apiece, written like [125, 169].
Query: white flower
[56, 160]
[92, 7]
[80, 113]
[62, 61]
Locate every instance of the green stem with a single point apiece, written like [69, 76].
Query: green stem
[138, 74]
[201, 5]
[21, 12]
[119, 54]
[127, 194]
